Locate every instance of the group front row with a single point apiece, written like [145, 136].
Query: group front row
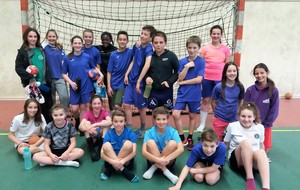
[162, 145]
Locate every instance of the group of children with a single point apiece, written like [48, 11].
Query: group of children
[206, 78]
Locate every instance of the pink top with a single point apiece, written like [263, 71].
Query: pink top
[91, 118]
[215, 58]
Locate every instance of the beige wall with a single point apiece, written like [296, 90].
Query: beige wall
[271, 35]
[11, 38]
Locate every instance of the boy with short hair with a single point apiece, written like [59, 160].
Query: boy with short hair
[137, 69]
[161, 146]
[119, 149]
[205, 160]
[191, 71]
[118, 64]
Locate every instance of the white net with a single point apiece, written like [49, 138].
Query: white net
[178, 19]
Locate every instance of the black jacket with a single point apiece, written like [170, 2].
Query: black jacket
[163, 68]
[23, 60]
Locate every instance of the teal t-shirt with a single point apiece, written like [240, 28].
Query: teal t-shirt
[38, 61]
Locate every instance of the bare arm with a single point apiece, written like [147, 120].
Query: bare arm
[72, 145]
[143, 73]
[109, 89]
[148, 155]
[179, 150]
[13, 138]
[184, 172]
[196, 80]
[131, 155]
[205, 170]
[227, 59]
[214, 104]
[183, 73]
[69, 81]
[128, 71]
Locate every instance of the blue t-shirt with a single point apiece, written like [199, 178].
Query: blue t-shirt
[117, 66]
[191, 92]
[94, 53]
[218, 157]
[78, 67]
[161, 140]
[54, 59]
[140, 54]
[117, 141]
[227, 109]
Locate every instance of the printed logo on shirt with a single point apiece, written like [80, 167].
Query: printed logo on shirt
[165, 59]
[118, 57]
[256, 136]
[266, 101]
[23, 126]
[40, 57]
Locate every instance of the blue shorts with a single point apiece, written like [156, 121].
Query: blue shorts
[76, 99]
[161, 98]
[132, 97]
[194, 107]
[207, 87]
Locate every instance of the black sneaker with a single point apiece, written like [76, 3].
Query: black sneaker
[190, 144]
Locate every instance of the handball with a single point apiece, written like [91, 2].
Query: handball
[288, 95]
[33, 70]
[33, 139]
[93, 74]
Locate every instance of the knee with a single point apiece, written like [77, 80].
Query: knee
[80, 152]
[150, 143]
[172, 145]
[246, 144]
[199, 178]
[106, 146]
[176, 115]
[211, 180]
[127, 145]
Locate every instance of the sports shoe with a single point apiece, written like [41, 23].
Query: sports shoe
[184, 142]
[190, 144]
[139, 134]
[103, 176]
[200, 128]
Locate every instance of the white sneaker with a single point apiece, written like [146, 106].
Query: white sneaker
[200, 128]
[68, 163]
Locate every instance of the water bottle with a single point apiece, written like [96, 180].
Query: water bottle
[27, 159]
[147, 90]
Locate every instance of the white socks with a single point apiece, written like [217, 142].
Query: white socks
[173, 178]
[149, 173]
[203, 116]
[67, 163]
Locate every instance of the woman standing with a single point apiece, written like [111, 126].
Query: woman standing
[32, 53]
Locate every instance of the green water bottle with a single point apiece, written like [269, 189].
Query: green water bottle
[147, 90]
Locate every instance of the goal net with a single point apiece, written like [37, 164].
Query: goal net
[178, 19]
